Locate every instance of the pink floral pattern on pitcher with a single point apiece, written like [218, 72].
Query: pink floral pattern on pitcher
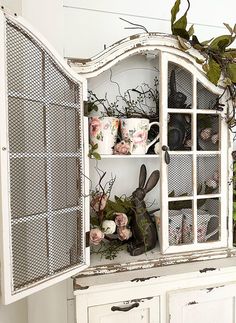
[140, 137]
[94, 126]
[103, 132]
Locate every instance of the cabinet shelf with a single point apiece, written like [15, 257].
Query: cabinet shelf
[128, 156]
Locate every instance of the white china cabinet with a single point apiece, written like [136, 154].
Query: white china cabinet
[46, 174]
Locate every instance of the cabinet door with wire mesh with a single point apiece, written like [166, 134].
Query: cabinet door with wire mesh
[194, 131]
[42, 166]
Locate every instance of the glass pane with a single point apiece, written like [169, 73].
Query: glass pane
[179, 131]
[180, 175]
[180, 87]
[208, 132]
[208, 174]
[206, 100]
[208, 220]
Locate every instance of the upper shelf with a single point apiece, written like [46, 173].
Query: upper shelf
[128, 156]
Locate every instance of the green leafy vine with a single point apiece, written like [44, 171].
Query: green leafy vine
[218, 59]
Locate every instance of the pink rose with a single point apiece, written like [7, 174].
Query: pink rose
[124, 233]
[96, 236]
[99, 202]
[121, 219]
[122, 148]
[140, 137]
[94, 126]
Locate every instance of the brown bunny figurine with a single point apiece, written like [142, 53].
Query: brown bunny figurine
[143, 228]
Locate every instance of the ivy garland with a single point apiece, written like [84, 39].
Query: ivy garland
[219, 60]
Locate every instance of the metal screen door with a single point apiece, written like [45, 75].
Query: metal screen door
[45, 163]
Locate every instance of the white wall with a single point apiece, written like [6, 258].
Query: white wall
[14, 313]
[47, 17]
[90, 24]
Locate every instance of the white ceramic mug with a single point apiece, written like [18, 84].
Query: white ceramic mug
[103, 132]
[202, 226]
[135, 131]
[175, 227]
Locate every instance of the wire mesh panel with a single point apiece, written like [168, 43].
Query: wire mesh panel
[180, 175]
[181, 222]
[206, 100]
[208, 174]
[46, 162]
[208, 220]
[180, 87]
[208, 132]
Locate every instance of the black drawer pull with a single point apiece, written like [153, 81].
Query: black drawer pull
[124, 309]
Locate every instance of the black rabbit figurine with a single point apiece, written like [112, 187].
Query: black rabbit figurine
[143, 229]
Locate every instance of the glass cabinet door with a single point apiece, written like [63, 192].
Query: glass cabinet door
[194, 179]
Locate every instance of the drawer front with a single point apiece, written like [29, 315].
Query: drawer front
[210, 304]
[145, 310]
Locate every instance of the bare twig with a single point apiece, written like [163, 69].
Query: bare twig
[136, 26]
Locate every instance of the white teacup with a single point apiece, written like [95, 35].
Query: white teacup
[202, 226]
[135, 131]
[103, 132]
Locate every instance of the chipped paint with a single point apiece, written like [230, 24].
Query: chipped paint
[138, 300]
[79, 287]
[163, 260]
[206, 270]
[192, 303]
[130, 46]
[210, 289]
[136, 280]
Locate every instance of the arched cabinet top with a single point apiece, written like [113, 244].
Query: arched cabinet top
[153, 43]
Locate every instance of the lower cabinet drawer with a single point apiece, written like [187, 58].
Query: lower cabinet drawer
[144, 310]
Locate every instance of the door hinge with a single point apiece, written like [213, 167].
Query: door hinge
[227, 223]
[169, 317]
[87, 238]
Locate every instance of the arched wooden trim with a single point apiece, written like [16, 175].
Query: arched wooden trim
[133, 45]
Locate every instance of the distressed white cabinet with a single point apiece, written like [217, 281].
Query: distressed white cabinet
[194, 193]
[45, 171]
[178, 294]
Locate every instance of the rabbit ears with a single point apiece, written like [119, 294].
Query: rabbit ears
[152, 181]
